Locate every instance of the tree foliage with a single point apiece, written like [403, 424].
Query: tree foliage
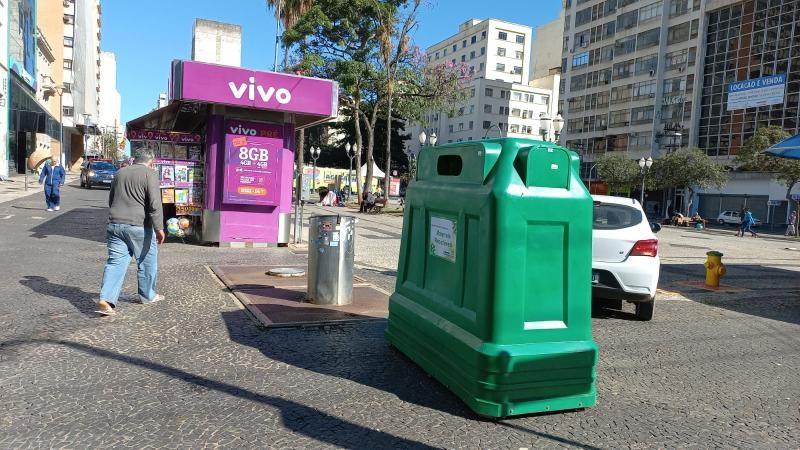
[618, 171]
[752, 157]
[689, 169]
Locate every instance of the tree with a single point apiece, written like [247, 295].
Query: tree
[618, 171]
[338, 40]
[689, 169]
[752, 157]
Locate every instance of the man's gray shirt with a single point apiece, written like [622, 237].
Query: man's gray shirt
[135, 198]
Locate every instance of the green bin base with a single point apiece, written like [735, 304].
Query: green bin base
[495, 380]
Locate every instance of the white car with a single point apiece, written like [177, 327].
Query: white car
[625, 262]
[733, 218]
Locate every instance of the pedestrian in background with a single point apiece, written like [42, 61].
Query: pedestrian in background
[747, 223]
[135, 229]
[53, 177]
[790, 227]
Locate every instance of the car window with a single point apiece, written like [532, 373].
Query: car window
[614, 217]
[103, 166]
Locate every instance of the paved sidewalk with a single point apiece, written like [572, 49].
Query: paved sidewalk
[195, 371]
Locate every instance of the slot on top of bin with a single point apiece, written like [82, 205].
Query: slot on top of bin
[468, 163]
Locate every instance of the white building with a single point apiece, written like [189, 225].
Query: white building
[502, 102]
[109, 110]
[4, 91]
[82, 19]
[217, 42]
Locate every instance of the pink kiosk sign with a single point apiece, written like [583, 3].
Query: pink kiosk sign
[249, 162]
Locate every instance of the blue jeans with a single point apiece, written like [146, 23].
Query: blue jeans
[52, 195]
[126, 241]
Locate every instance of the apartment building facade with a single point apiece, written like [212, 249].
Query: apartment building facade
[501, 100]
[629, 75]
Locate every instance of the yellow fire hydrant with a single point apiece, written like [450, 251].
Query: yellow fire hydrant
[714, 268]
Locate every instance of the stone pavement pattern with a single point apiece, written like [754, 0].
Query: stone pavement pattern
[195, 371]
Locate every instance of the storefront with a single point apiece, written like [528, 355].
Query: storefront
[225, 148]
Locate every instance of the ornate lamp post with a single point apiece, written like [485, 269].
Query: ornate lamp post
[644, 166]
[544, 125]
[351, 155]
[558, 124]
[314, 155]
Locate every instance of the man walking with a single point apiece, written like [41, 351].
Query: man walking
[135, 227]
[790, 227]
[53, 177]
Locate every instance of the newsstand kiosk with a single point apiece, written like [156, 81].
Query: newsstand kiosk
[224, 149]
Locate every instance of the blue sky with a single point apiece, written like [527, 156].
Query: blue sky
[147, 34]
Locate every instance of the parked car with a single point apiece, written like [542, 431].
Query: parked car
[625, 262]
[733, 218]
[97, 173]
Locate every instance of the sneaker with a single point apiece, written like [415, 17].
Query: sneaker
[57, 208]
[105, 308]
[49, 209]
[157, 298]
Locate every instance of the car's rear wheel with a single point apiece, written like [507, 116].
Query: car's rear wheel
[721, 222]
[644, 310]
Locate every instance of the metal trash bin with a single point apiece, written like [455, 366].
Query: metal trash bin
[331, 249]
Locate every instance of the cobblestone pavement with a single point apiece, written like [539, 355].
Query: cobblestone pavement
[195, 371]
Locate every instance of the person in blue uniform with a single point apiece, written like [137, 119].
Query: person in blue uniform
[53, 177]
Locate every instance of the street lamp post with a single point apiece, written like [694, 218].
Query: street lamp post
[558, 124]
[544, 125]
[314, 155]
[644, 166]
[350, 155]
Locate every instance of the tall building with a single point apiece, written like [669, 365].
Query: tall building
[217, 42]
[109, 110]
[502, 101]
[547, 47]
[82, 19]
[629, 73]
[4, 92]
[750, 79]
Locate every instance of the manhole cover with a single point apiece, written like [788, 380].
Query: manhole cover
[286, 272]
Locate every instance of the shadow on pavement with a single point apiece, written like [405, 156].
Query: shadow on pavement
[82, 301]
[298, 418]
[80, 223]
[771, 292]
[358, 353]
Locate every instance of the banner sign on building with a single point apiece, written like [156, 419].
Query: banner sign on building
[769, 90]
[22, 40]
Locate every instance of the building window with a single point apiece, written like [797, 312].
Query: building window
[483, 35]
[472, 54]
[644, 89]
[647, 39]
[620, 94]
[471, 124]
[516, 112]
[650, 12]
[67, 87]
[69, 19]
[625, 45]
[646, 64]
[463, 43]
[520, 39]
[642, 114]
[68, 64]
[68, 111]
[68, 41]
[489, 92]
[501, 51]
[486, 124]
[472, 93]
[580, 60]
[503, 94]
[503, 36]
[514, 128]
[619, 118]
[628, 20]
[487, 109]
[518, 70]
[518, 55]
[678, 33]
[463, 58]
[461, 126]
[678, 7]
[623, 69]
[481, 66]
[455, 47]
[437, 55]
[450, 128]
[500, 67]
[483, 51]
[444, 52]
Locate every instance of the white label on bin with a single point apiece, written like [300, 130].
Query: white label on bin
[443, 238]
[553, 166]
[335, 236]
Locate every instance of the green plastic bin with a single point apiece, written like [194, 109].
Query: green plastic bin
[493, 294]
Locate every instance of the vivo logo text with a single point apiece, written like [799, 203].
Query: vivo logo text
[243, 131]
[281, 95]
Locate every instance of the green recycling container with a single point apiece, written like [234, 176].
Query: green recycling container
[493, 294]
